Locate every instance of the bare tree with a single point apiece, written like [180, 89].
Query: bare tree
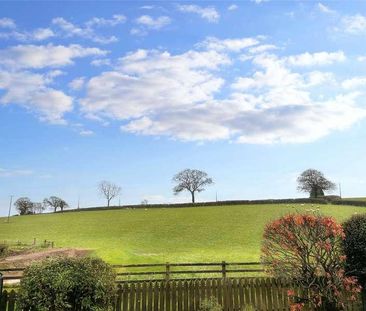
[38, 207]
[192, 181]
[55, 203]
[314, 182]
[108, 190]
[24, 206]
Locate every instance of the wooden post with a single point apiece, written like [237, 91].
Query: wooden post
[52, 244]
[1, 288]
[167, 271]
[223, 269]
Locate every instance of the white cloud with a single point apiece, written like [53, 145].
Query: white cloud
[232, 7]
[15, 172]
[208, 13]
[235, 45]
[325, 9]
[101, 62]
[167, 80]
[38, 34]
[182, 98]
[77, 84]
[262, 48]
[69, 29]
[99, 21]
[86, 133]
[316, 59]
[354, 24]
[7, 23]
[259, 1]
[33, 92]
[41, 56]
[153, 23]
[354, 83]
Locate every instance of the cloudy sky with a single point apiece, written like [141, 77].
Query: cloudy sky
[252, 92]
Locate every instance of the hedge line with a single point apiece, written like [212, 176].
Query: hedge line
[203, 204]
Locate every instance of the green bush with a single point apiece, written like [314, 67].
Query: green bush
[3, 249]
[354, 246]
[86, 284]
[210, 304]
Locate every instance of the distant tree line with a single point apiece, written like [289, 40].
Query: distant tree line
[25, 206]
[191, 180]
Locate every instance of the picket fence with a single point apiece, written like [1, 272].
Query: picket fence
[233, 294]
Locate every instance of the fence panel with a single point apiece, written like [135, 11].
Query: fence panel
[233, 294]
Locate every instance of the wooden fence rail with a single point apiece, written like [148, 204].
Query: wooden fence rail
[168, 271]
[233, 294]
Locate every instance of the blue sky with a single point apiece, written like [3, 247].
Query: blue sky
[252, 92]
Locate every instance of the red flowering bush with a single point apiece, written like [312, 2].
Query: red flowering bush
[307, 248]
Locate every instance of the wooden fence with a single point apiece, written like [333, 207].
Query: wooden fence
[233, 294]
[168, 271]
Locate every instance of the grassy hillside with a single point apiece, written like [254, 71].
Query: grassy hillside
[231, 233]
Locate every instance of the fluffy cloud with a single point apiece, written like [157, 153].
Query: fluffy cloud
[77, 84]
[354, 24]
[354, 83]
[33, 92]
[316, 59]
[153, 23]
[167, 80]
[41, 56]
[235, 45]
[183, 96]
[208, 13]
[7, 23]
[146, 23]
[69, 29]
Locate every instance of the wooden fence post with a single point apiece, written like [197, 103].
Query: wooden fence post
[223, 269]
[1, 287]
[167, 271]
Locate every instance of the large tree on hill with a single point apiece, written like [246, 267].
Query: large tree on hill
[192, 181]
[24, 206]
[314, 182]
[109, 190]
[55, 203]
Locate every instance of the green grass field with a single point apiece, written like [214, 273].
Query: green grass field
[231, 233]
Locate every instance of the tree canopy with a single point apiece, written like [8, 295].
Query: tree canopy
[191, 180]
[314, 182]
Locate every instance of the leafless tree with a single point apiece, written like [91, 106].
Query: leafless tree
[192, 181]
[55, 203]
[108, 190]
[38, 207]
[314, 182]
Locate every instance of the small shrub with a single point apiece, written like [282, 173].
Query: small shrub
[307, 248]
[210, 304]
[85, 284]
[3, 249]
[354, 246]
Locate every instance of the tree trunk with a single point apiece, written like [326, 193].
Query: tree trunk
[192, 193]
[108, 202]
[55, 209]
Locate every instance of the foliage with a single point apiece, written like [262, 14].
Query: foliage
[236, 231]
[3, 249]
[307, 248]
[210, 304]
[55, 203]
[67, 284]
[24, 206]
[355, 246]
[314, 182]
[192, 181]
